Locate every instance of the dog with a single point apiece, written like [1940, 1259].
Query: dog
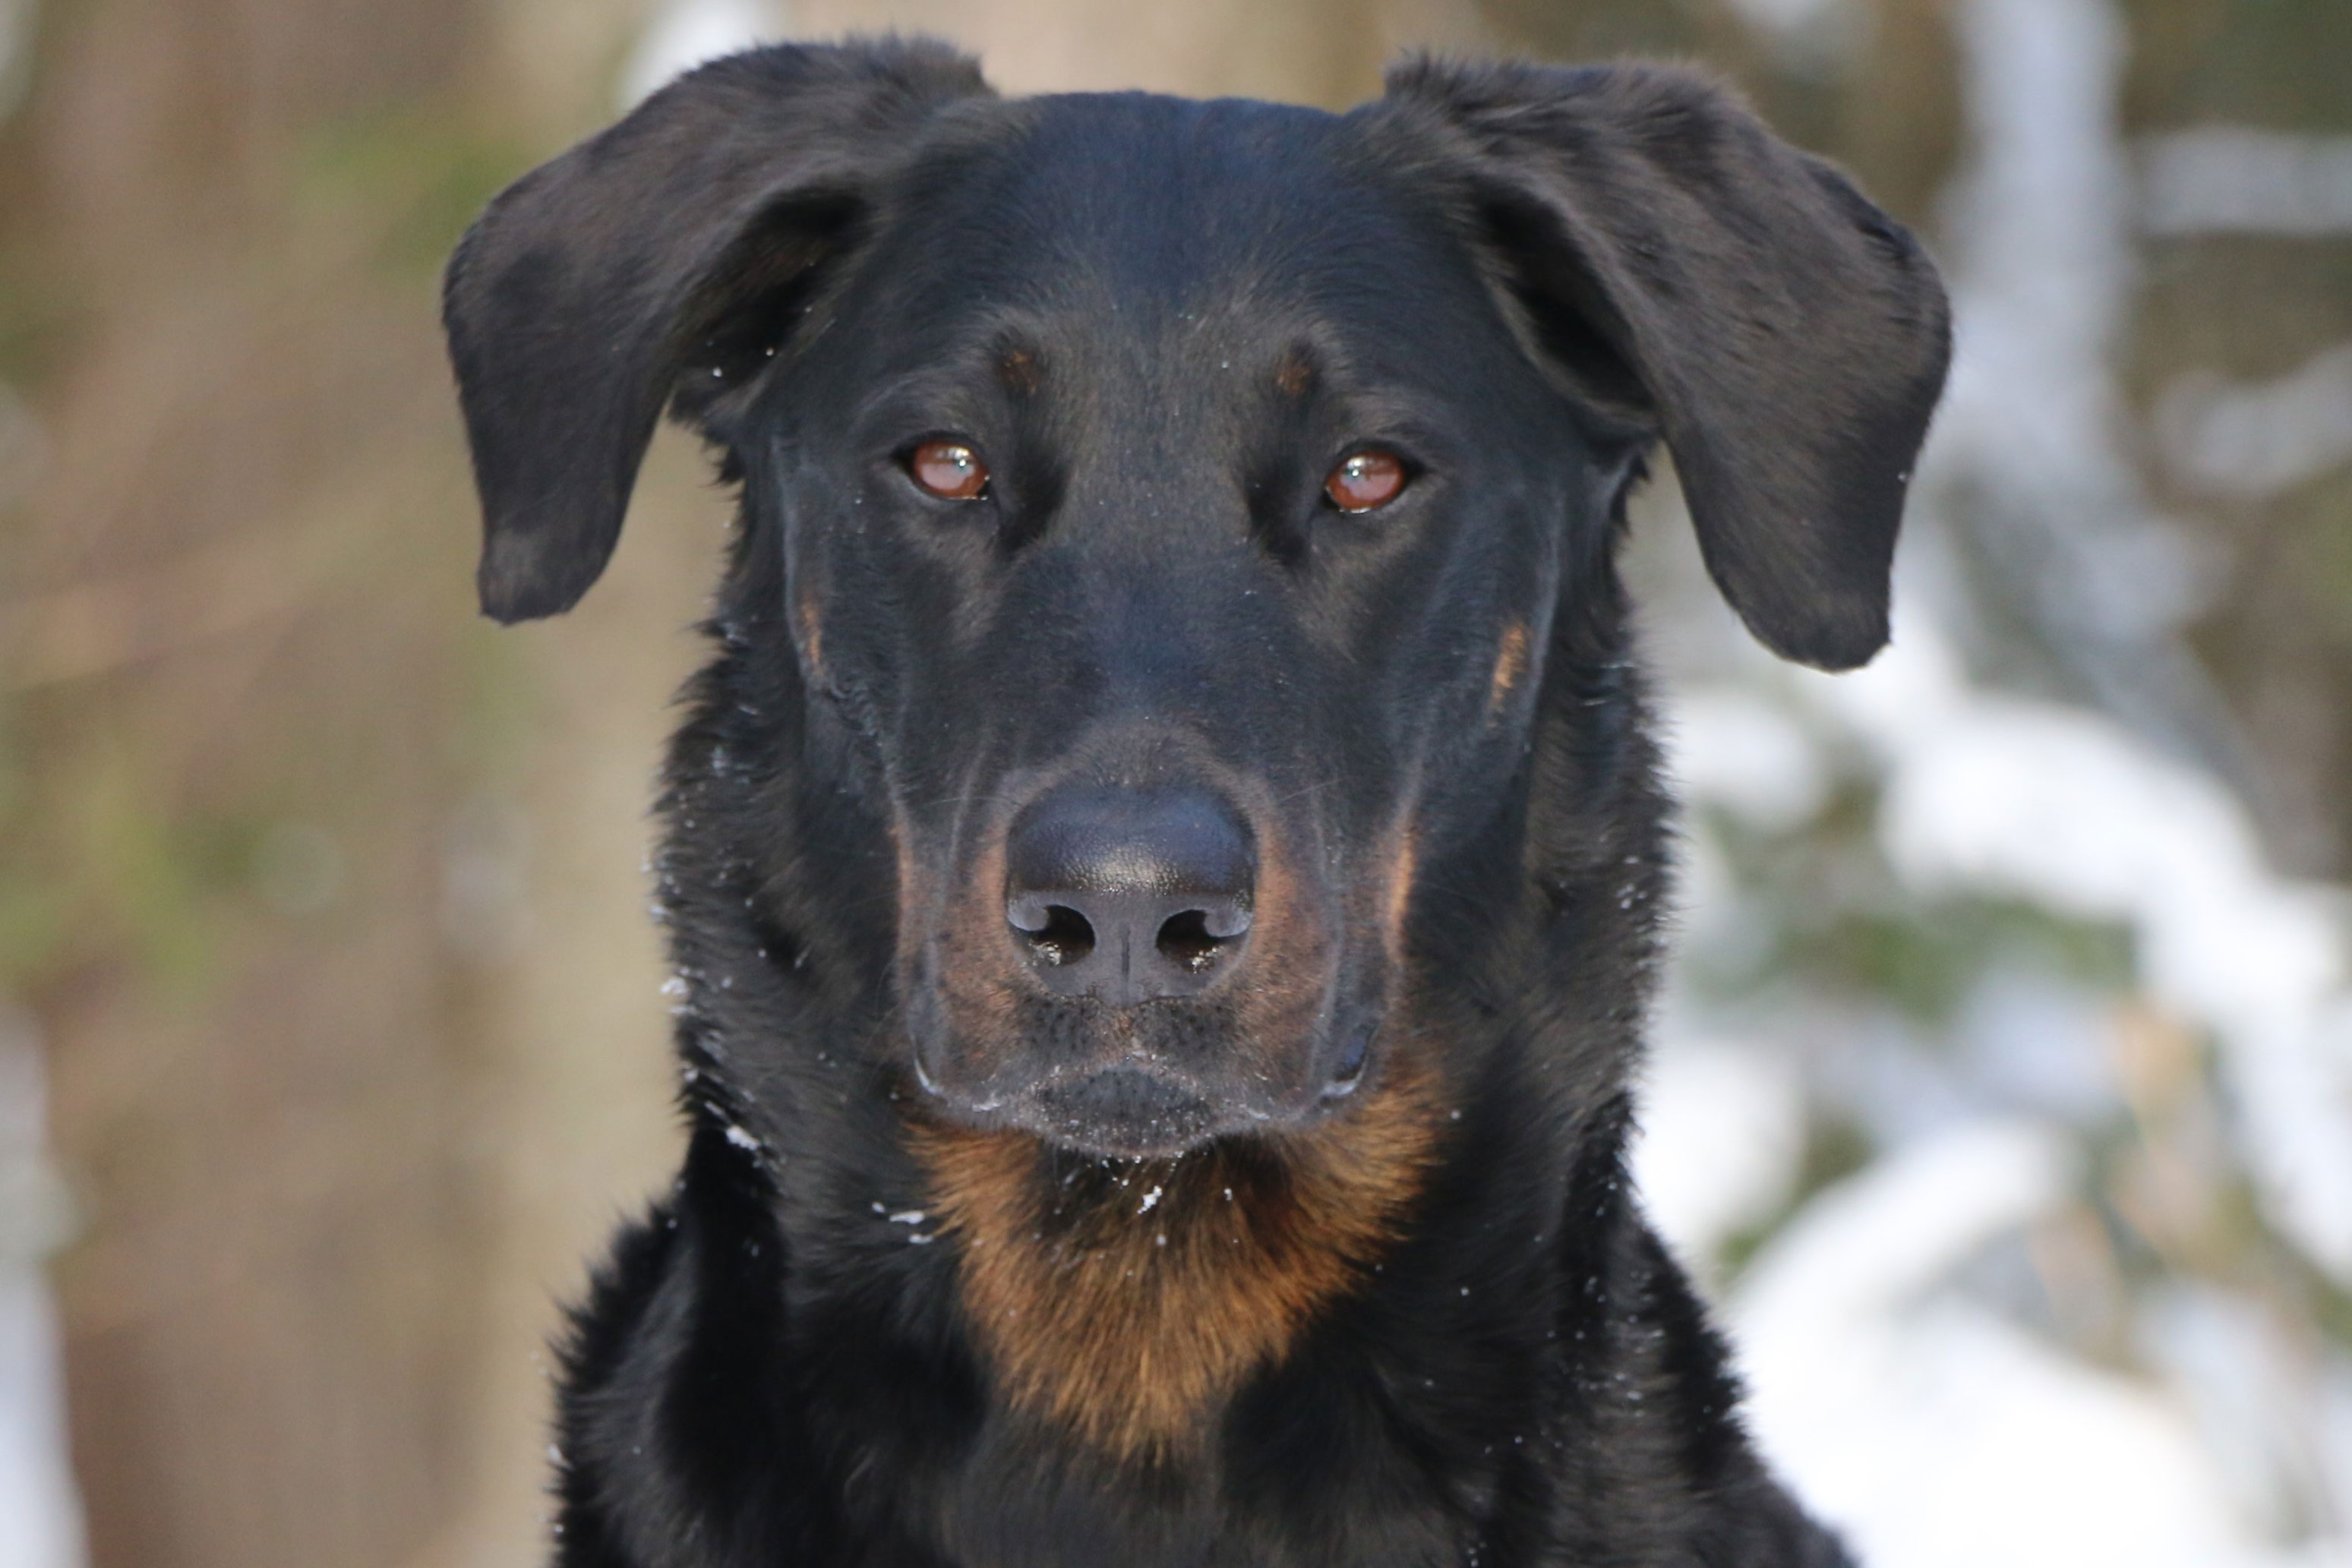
[1165, 858]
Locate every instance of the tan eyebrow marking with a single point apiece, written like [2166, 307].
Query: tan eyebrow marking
[812, 633]
[1019, 371]
[1511, 666]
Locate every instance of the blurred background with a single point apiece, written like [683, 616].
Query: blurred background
[2004, 1089]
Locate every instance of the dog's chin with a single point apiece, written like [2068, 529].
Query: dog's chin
[1126, 1113]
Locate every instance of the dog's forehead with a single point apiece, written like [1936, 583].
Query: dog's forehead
[1145, 210]
[1113, 240]
[1096, 171]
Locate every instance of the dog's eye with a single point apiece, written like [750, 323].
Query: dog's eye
[1365, 480]
[948, 469]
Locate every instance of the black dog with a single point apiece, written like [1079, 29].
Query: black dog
[1165, 856]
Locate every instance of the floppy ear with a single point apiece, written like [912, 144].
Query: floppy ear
[685, 237]
[1787, 338]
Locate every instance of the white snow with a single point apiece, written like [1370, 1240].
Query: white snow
[1732, 748]
[1934, 1433]
[2259, 439]
[1723, 1129]
[2001, 795]
[40, 1510]
[2237, 179]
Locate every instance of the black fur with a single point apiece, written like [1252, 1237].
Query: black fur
[1162, 320]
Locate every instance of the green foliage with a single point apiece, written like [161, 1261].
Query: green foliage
[2280, 63]
[93, 864]
[1840, 921]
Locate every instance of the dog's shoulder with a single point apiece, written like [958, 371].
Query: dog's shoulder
[669, 1411]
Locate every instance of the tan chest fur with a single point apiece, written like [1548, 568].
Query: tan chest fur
[1128, 1301]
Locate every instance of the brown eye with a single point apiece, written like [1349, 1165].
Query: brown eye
[950, 470]
[1366, 480]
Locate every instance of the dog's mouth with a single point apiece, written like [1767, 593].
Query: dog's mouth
[1143, 1084]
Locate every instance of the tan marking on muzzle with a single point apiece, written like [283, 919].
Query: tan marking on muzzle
[1399, 891]
[1290, 954]
[1511, 666]
[1131, 1324]
[979, 982]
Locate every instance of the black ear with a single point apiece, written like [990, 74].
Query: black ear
[1787, 338]
[675, 239]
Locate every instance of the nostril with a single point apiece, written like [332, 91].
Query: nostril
[1191, 942]
[1065, 935]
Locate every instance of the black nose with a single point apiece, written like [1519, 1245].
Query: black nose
[1128, 894]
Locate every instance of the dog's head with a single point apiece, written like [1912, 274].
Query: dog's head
[1176, 505]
